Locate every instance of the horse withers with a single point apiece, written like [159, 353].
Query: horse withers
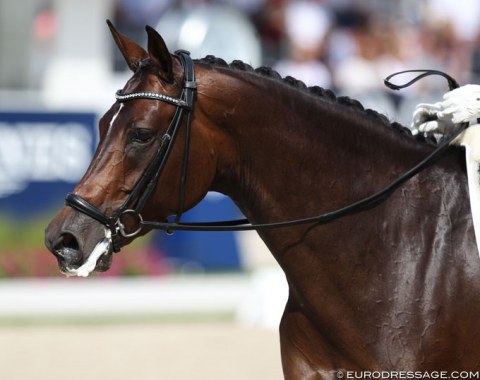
[395, 287]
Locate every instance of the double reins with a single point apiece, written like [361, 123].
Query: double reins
[144, 188]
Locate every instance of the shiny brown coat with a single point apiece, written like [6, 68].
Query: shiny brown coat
[393, 288]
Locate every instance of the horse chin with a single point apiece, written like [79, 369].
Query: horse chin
[104, 263]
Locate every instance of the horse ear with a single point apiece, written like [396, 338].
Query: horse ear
[159, 53]
[131, 51]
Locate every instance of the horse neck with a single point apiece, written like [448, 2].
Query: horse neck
[286, 155]
[291, 154]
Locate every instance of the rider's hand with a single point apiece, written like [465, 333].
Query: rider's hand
[458, 106]
[462, 104]
[426, 120]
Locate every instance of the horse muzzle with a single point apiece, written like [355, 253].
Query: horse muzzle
[79, 256]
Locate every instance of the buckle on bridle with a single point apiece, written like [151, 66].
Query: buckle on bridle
[135, 218]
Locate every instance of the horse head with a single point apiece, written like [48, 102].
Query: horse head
[130, 176]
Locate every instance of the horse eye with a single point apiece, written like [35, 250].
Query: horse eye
[142, 135]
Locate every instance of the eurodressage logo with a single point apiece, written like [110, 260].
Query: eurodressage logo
[344, 374]
[43, 150]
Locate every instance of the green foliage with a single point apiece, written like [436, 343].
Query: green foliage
[23, 254]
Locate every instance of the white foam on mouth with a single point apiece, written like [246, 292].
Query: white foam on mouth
[102, 247]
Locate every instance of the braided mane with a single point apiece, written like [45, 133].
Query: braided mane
[317, 91]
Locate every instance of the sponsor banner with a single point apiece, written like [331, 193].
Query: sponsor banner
[42, 157]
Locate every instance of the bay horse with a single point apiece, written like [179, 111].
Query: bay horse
[395, 287]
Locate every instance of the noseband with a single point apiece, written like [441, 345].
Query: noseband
[143, 189]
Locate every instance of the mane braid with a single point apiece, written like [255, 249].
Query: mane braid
[316, 91]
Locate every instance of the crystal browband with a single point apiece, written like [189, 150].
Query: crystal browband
[150, 95]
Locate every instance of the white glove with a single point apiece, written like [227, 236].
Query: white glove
[426, 120]
[462, 104]
[458, 106]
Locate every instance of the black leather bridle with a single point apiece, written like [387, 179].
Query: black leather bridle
[133, 205]
[143, 189]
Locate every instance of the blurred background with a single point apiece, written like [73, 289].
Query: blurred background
[191, 304]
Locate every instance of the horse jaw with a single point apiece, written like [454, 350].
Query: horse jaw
[102, 248]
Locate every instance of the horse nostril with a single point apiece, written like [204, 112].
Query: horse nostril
[69, 241]
[66, 247]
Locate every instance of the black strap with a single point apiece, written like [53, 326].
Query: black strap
[79, 204]
[147, 183]
[190, 86]
[243, 224]
[452, 83]
[363, 204]
[149, 179]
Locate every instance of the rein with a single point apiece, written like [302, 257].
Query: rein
[452, 83]
[133, 205]
[353, 208]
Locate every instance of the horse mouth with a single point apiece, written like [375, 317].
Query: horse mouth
[71, 260]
